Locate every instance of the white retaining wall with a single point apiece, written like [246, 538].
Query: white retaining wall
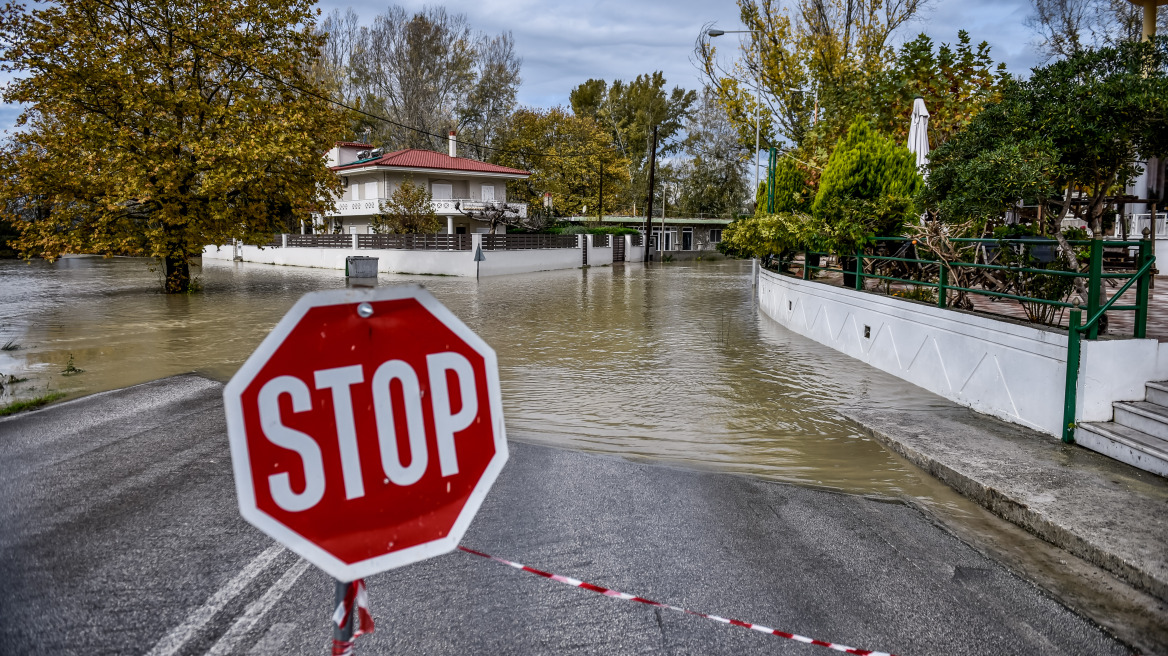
[1009, 370]
[433, 262]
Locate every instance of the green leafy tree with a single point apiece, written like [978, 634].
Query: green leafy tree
[628, 112]
[567, 156]
[866, 189]
[1067, 138]
[712, 178]
[793, 191]
[833, 51]
[407, 211]
[956, 83]
[153, 128]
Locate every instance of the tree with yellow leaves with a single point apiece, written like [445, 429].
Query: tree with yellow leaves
[154, 127]
[806, 55]
[569, 156]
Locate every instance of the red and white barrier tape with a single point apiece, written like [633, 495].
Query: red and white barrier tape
[356, 600]
[641, 600]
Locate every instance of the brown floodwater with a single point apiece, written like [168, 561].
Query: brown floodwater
[671, 363]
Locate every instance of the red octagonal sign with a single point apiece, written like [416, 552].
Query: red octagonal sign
[366, 429]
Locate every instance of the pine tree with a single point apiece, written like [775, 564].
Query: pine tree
[867, 188]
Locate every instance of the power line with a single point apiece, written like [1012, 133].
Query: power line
[308, 92]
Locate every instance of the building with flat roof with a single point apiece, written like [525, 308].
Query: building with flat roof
[681, 237]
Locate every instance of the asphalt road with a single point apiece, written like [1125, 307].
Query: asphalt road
[119, 534]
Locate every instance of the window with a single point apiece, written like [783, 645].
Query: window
[356, 190]
[488, 192]
[370, 190]
[715, 235]
[442, 191]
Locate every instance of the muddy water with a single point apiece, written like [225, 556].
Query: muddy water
[673, 363]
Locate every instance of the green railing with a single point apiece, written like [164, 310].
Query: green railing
[1095, 277]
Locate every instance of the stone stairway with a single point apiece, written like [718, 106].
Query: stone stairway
[1138, 433]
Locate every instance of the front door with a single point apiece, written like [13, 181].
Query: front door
[687, 239]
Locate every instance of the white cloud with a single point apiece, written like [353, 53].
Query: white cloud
[563, 43]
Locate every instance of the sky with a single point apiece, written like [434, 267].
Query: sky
[565, 42]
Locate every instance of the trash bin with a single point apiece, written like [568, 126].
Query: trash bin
[360, 266]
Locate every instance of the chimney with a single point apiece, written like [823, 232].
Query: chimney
[453, 144]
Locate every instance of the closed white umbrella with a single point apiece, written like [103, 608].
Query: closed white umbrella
[918, 135]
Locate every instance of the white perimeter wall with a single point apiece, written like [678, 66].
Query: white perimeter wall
[1012, 371]
[447, 263]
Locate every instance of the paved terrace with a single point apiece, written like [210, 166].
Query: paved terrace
[1121, 322]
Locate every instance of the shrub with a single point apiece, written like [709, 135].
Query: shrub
[866, 189]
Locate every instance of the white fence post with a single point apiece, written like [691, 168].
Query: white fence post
[284, 240]
[354, 235]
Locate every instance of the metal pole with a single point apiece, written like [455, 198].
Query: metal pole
[1149, 25]
[1152, 226]
[343, 635]
[649, 205]
[1094, 285]
[1142, 286]
[1071, 391]
[757, 116]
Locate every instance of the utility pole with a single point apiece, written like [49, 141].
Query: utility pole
[649, 205]
[600, 204]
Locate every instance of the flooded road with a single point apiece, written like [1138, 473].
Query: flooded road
[672, 363]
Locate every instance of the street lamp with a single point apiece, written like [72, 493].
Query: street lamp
[758, 96]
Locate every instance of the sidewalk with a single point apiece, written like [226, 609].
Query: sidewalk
[1104, 511]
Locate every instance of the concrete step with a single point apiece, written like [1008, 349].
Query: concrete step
[1125, 444]
[1143, 416]
[1157, 393]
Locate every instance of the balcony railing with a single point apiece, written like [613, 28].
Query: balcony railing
[441, 206]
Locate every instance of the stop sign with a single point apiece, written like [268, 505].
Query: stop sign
[366, 429]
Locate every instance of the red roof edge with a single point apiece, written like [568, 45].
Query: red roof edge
[428, 159]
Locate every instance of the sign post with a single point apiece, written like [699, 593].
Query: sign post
[365, 432]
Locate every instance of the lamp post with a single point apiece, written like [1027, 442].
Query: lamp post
[757, 96]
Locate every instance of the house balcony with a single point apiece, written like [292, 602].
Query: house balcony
[444, 207]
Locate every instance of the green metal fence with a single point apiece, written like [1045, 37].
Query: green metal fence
[1095, 278]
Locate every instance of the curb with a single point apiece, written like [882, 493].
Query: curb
[1019, 513]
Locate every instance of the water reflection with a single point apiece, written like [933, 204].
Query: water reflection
[672, 363]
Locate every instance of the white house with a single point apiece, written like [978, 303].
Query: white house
[457, 185]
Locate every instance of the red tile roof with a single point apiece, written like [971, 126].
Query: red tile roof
[427, 159]
[353, 144]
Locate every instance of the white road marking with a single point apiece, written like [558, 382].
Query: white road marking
[273, 641]
[256, 610]
[172, 642]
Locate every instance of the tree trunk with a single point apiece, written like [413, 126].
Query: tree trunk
[1067, 251]
[178, 274]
